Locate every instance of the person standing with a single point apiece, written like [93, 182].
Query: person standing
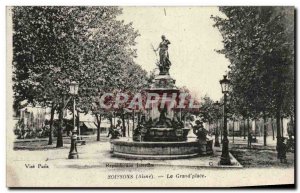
[250, 140]
[119, 128]
[282, 149]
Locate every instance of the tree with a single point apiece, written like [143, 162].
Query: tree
[38, 75]
[85, 44]
[108, 61]
[259, 43]
[207, 110]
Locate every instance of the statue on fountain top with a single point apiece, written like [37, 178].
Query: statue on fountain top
[164, 62]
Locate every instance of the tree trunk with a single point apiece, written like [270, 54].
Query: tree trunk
[51, 125]
[98, 118]
[261, 129]
[292, 127]
[78, 124]
[281, 121]
[133, 121]
[278, 126]
[244, 128]
[233, 132]
[248, 127]
[114, 118]
[239, 126]
[123, 124]
[139, 118]
[272, 126]
[255, 129]
[128, 123]
[59, 142]
[111, 122]
[265, 131]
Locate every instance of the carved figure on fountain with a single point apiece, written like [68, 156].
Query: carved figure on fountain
[199, 131]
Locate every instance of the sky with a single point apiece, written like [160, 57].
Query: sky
[195, 64]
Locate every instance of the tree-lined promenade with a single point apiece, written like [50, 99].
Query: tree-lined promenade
[54, 46]
[259, 43]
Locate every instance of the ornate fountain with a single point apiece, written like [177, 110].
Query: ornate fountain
[161, 134]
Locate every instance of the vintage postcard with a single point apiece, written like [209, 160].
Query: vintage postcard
[107, 96]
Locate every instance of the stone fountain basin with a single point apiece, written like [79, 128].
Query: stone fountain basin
[127, 148]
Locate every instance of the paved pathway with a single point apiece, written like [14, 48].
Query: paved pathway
[97, 154]
[96, 167]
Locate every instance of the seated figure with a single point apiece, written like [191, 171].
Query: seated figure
[163, 121]
[140, 130]
[199, 130]
[176, 123]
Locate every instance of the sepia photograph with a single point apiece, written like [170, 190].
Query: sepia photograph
[150, 96]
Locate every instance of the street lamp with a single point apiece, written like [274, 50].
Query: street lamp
[217, 143]
[225, 159]
[73, 154]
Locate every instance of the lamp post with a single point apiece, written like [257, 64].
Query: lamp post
[225, 159]
[217, 143]
[221, 131]
[73, 154]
